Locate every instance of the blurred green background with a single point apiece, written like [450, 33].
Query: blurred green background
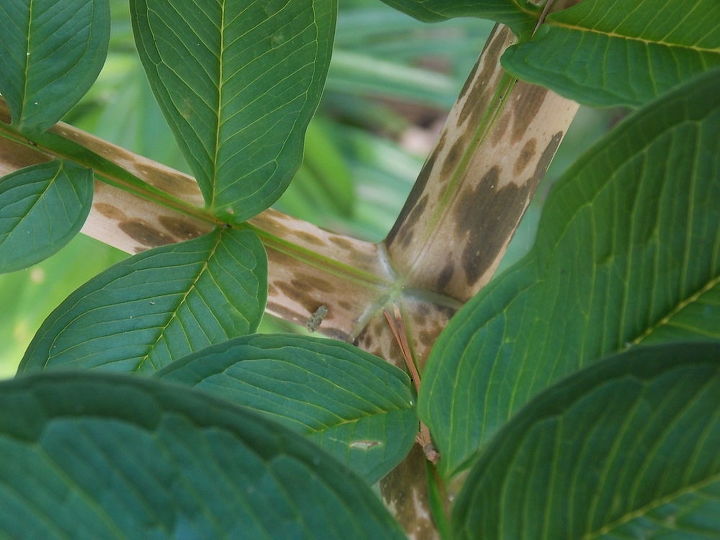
[391, 82]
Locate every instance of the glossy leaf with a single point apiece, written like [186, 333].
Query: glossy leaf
[89, 455]
[354, 405]
[41, 209]
[238, 83]
[50, 54]
[627, 448]
[157, 307]
[520, 15]
[620, 52]
[628, 251]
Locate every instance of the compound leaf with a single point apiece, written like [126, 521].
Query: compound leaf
[130, 457]
[41, 209]
[158, 306]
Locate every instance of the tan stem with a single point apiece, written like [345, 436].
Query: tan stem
[308, 266]
[496, 145]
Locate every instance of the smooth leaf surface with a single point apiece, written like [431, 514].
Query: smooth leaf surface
[627, 448]
[620, 52]
[238, 82]
[50, 54]
[157, 307]
[89, 455]
[41, 208]
[354, 405]
[627, 251]
[519, 15]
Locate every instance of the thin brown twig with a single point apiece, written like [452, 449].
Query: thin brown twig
[423, 438]
[541, 19]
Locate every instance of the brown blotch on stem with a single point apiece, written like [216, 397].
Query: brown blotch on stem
[143, 232]
[445, 276]
[526, 154]
[180, 228]
[451, 160]
[475, 105]
[110, 211]
[529, 102]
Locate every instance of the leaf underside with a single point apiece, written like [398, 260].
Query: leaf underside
[129, 457]
[627, 448]
[627, 252]
[41, 209]
[520, 16]
[156, 307]
[50, 54]
[620, 52]
[238, 82]
[354, 405]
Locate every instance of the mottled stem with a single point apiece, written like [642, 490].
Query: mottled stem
[455, 226]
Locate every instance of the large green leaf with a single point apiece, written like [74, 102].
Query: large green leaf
[520, 15]
[354, 405]
[41, 208]
[50, 54]
[627, 448]
[620, 52]
[88, 455]
[238, 82]
[157, 307]
[628, 250]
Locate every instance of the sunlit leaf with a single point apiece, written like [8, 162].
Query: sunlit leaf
[41, 209]
[238, 82]
[627, 252]
[50, 53]
[627, 448]
[87, 455]
[620, 52]
[354, 405]
[157, 307]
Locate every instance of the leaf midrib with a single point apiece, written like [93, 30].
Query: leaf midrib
[39, 197]
[682, 304]
[610, 34]
[26, 69]
[180, 303]
[697, 486]
[218, 116]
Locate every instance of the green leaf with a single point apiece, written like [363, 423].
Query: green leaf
[157, 307]
[520, 15]
[628, 251]
[354, 405]
[627, 448]
[41, 209]
[28, 296]
[238, 82]
[50, 54]
[620, 52]
[89, 455]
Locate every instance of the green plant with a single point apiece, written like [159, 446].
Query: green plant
[576, 395]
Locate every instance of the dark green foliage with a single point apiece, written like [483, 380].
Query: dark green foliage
[354, 405]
